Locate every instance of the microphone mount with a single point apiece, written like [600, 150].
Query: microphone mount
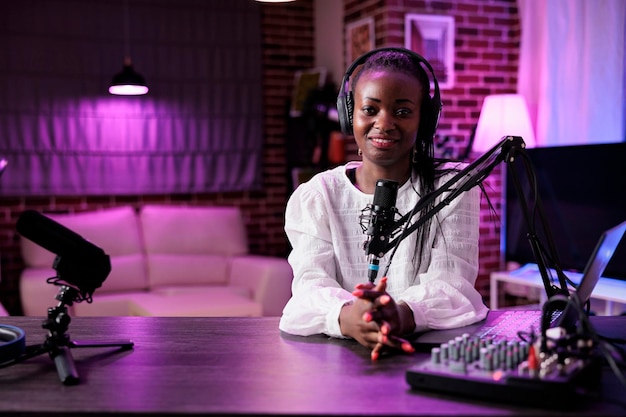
[81, 268]
[507, 150]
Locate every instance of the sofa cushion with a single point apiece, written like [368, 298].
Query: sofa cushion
[101, 227]
[35, 293]
[189, 301]
[127, 273]
[115, 230]
[206, 301]
[267, 278]
[191, 245]
[110, 304]
[193, 230]
[180, 269]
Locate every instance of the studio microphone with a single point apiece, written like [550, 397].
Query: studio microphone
[378, 223]
[79, 262]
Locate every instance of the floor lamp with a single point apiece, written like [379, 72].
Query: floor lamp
[503, 115]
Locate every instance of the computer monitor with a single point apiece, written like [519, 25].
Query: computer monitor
[583, 192]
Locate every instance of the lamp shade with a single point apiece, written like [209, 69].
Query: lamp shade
[128, 82]
[502, 115]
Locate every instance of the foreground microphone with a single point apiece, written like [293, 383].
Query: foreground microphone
[79, 262]
[380, 223]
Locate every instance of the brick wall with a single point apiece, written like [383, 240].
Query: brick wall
[487, 38]
[487, 34]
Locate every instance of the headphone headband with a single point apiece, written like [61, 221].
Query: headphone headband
[345, 105]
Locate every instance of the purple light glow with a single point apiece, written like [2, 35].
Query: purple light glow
[128, 90]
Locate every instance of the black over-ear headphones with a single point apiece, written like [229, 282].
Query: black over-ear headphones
[430, 109]
[12, 342]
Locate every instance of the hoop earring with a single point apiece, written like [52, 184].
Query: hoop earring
[414, 154]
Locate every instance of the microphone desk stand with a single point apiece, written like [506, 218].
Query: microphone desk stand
[58, 342]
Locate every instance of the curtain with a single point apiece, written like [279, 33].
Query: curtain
[199, 129]
[571, 69]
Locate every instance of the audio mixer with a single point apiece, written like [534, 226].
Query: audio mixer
[505, 371]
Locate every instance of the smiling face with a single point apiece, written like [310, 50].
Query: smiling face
[386, 120]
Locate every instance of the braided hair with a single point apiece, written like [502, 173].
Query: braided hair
[425, 167]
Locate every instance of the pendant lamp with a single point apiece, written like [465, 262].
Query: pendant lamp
[128, 82]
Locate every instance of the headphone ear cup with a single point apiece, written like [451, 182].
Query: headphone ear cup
[426, 120]
[429, 113]
[345, 106]
[429, 118]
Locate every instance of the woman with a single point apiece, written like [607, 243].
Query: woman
[430, 283]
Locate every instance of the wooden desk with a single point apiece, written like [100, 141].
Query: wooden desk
[232, 366]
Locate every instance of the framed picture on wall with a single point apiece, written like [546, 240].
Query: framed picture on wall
[305, 82]
[359, 38]
[432, 36]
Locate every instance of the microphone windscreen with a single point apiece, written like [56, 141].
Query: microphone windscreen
[385, 193]
[79, 262]
[49, 234]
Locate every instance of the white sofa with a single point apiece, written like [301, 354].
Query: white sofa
[166, 260]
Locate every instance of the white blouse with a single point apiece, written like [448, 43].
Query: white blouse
[328, 259]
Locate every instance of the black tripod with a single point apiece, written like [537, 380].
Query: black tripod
[58, 343]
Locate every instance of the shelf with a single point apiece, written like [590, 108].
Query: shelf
[608, 297]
